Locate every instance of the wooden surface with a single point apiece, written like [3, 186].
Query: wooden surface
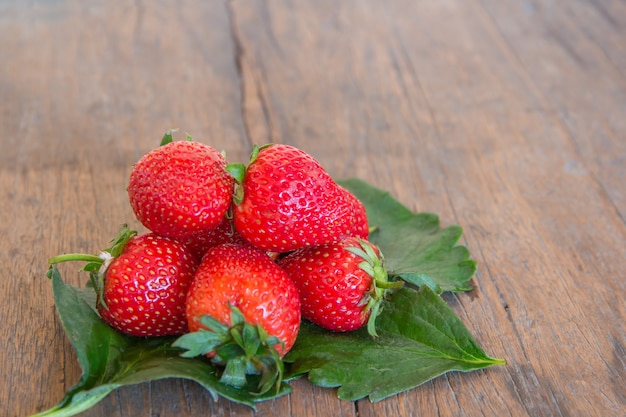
[505, 117]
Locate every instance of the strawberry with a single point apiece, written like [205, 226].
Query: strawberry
[289, 201]
[225, 232]
[360, 226]
[141, 282]
[244, 312]
[341, 285]
[181, 188]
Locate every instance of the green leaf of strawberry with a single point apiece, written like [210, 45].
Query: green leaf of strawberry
[244, 349]
[420, 338]
[110, 359]
[416, 248]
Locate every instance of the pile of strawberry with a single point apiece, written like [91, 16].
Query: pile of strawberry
[236, 255]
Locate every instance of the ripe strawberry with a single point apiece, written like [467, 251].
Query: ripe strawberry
[180, 189]
[341, 285]
[145, 287]
[244, 311]
[142, 283]
[289, 201]
[361, 226]
[225, 232]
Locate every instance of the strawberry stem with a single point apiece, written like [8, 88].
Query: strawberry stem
[118, 243]
[75, 257]
[97, 265]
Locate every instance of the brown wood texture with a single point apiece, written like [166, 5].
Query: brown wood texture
[505, 117]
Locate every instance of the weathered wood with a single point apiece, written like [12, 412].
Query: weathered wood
[505, 117]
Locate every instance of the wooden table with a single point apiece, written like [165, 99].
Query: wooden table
[505, 117]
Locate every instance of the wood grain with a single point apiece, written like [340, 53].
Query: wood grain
[505, 117]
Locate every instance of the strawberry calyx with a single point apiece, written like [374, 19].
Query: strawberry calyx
[97, 265]
[373, 264]
[245, 351]
[168, 137]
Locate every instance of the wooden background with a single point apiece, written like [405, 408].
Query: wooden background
[507, 117]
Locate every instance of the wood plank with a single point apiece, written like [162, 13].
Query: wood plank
[573, 59]
[504, 117]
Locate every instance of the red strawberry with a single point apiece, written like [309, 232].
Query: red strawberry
[225, 232]
[361, 226]
[145, 287]
[289, 202]
[341, 285]
[248, 279]
[142, 283]
[180, 189]
[244, 311]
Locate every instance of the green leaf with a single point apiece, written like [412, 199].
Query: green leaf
[244, 349]
[110, 359]
[415, 247]
[420, 338]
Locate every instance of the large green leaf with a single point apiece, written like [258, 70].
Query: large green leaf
[420, 338]
[110, 359]
[415, 247]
